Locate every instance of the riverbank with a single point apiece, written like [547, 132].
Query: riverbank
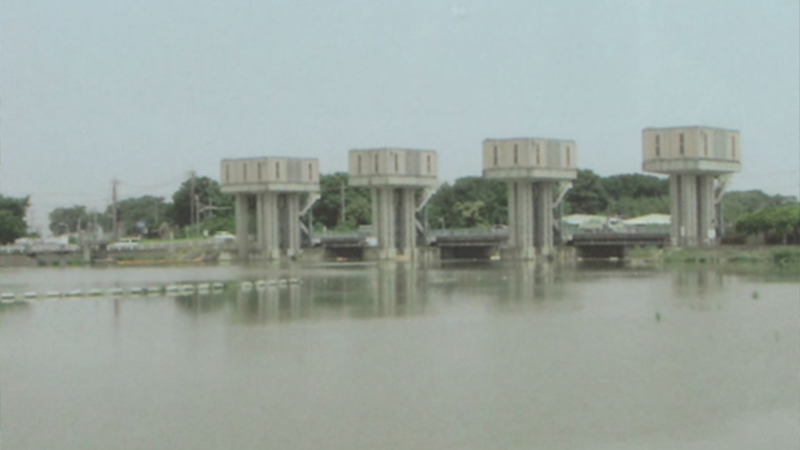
[774, 256]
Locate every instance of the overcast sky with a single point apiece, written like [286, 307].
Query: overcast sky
[148, 90]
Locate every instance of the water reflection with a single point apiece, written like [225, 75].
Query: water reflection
[198, 303]
[397, 292]
[698, 289]
[391, 290]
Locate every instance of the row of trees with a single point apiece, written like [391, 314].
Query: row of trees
[467, 202]
[150, 214]
[782, 222]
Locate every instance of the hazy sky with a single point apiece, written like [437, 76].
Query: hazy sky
[148, 90]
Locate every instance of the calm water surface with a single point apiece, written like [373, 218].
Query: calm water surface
[391, 357]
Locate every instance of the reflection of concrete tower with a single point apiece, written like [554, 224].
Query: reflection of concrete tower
[276, 185]
[697, 160]
[394, 176]
[532, 167]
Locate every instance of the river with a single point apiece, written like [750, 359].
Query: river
[463, 356]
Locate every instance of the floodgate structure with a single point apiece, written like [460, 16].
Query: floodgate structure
[272, 193]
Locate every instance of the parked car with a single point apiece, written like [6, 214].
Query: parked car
[224, 236]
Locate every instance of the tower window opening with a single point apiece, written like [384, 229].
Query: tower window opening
[568, 157]
[683, 149]
[495, 155]
[733, 147]
[429, 164]
[310, 172]
[376, 163]
[259, 171]
[516, 154]
[244, 172]
[227, 173]
[538, 155]
[396, 163]
[277, 171]
[705, 144]
[359, 164]
[658, 145]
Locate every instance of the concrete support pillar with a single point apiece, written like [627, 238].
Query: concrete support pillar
[383, 221]
[293, 225]
[242, 225]
[706, 210]
[544, 218]
[270, 231]
[675, 210]
[689, 209]
[408, 222]
[512, 215]
[261, 236]
[521, 219]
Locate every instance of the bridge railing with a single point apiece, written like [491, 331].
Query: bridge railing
[468, 232]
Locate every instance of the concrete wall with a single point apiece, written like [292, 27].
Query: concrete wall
[269, 170]
[393, 161]
[698, 143]
[529, 152]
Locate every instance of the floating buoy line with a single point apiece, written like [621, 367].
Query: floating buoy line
[140, 291]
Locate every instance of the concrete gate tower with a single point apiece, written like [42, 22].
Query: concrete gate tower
[532, 167]
[395, 175]
[698, 161]
[275, 185]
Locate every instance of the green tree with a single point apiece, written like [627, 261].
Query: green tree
[68, 220]
[779, 221]
[635, 185]
[328, 209]
[469, 202]
[209, 197]
[12, 218]
[739, 203]
[147, 210]
[587, 196]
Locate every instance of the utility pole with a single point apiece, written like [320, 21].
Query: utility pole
[343, 216]
[114, 209]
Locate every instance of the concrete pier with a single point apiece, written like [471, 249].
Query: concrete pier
[696, 159]
[532, 168]
[394, 177]
[275, 185]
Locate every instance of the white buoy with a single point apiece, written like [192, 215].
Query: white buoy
[30, 295]
[247, 286]
[187, 288]
[172, 289]
[7, 296]
[203, 287]
[218, 286]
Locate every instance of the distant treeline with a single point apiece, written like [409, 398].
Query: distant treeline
[466, 203]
